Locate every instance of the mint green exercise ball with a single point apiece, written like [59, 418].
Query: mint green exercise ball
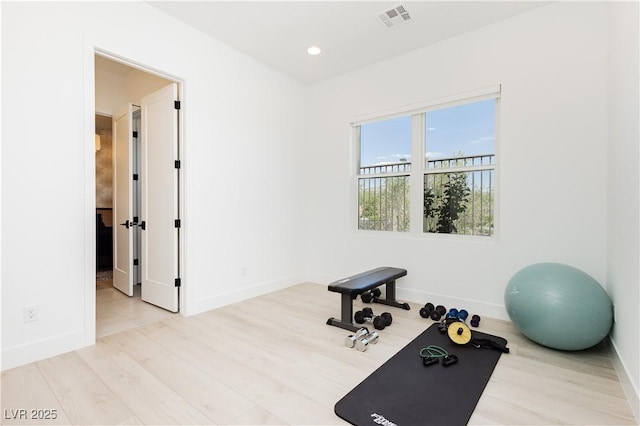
[558, 306]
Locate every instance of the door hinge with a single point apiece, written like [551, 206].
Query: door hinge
[135, 176]
[178, 282]
[177, 223]
[176, 104]
[135, 134]
[176, 164]
[135, 262]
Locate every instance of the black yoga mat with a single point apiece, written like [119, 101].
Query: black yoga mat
[404, 392]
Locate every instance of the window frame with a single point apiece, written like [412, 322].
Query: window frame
[418, 171]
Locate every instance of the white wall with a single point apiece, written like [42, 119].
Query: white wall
[242, 128]
[551, 63]
[623, 254]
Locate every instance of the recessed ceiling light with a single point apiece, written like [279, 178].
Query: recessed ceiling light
[314, 50]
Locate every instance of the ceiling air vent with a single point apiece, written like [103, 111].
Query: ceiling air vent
[394, 16]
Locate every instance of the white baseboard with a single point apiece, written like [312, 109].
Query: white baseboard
[16, 356]
[625, 380]
[319, 279]
[238, 295]
[488, 310]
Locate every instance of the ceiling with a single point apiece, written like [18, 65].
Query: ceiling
[110, 66]
[350, 34]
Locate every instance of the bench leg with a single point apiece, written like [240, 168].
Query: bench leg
[346, 311]
[390, 297]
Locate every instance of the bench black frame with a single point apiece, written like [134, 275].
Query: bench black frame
[352, 286]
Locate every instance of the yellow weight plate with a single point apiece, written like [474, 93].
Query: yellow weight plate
[459, 333]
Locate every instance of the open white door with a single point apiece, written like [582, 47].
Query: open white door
[159, 198]
[122, 205]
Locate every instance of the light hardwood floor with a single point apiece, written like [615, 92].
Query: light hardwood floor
[117, 312]
[273, 360]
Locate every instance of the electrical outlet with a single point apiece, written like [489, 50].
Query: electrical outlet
[30, 313]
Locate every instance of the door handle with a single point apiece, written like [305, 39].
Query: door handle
[126, 224]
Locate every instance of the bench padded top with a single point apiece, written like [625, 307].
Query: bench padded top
[364, 281]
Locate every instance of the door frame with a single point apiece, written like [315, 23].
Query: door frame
[90, 50]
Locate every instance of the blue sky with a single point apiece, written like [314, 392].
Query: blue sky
[469, 128]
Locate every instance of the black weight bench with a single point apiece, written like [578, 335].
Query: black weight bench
[352, 286]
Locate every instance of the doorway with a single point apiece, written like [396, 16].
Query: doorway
[104, 196]
[122, 87]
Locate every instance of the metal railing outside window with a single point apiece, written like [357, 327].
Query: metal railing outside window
[459, 195]
[383, 197]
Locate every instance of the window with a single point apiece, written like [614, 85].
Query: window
[457, 141]
[459, 177]
[385, 164]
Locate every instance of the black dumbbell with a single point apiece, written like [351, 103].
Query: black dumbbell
[475, 320]
[379, 321]
[438, 312]
[370, 295]
[435, 313]
[426, 311]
